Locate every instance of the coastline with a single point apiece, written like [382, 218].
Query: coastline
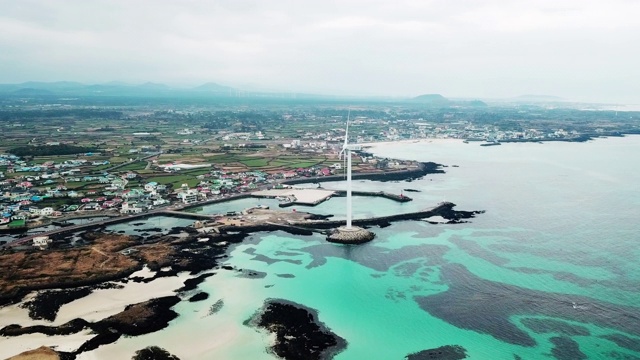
[422, 169]
[102, 304]
[411, 141]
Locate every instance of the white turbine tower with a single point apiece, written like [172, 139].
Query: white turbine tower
[346, 152]
[349, 234]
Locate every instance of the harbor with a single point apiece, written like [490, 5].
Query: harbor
[249, 219]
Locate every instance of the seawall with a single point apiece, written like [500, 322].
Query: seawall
[421, 170]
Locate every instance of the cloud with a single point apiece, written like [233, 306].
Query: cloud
[490, 48]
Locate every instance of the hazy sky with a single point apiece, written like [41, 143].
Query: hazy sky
[578, 49]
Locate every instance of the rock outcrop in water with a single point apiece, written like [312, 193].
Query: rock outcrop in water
[299, 334]
[154, 353]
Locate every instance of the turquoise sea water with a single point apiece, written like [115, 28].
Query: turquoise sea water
[548, 272]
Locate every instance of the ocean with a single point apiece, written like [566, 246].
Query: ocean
[548, 272]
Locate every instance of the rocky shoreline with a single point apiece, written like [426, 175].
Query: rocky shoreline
[167, 256]
[423, 168]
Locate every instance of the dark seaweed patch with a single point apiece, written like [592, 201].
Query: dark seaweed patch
[447, 352]
[286, 253]
[624, 341]
[474, 249]
[377, 258]
[217, 306]
[286, 276]
[486, 306]
[565, 348]
[543, 326]
[270, 261]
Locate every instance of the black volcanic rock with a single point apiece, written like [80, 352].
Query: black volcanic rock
[154, 353]
[47, 303]
[299, 334]
[199, 297]
[71, 327]
[136, 319]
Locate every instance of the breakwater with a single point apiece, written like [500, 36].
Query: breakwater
[343, 193]
[444, 209]
[441, 209]
[382, 194]
[421, 170]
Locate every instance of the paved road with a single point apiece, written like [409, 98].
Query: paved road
[170, 210]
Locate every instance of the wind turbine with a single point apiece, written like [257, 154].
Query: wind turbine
[349, 234]
[346, 152]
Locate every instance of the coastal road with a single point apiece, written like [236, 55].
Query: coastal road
[170, 210]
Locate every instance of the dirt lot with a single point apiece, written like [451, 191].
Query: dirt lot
[101, 259]
[41, 353]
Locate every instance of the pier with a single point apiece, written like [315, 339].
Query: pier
[386, 195]
[308, 197]
[188, 215]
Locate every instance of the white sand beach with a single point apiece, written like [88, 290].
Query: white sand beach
[98, 305]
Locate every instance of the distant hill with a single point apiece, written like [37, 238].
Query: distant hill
[439, 100]
[154, 86]
[150, 90]
[431, 99]
[113, 88]
[538, 98]
[51, 86]
[32, 92]
[213, 87]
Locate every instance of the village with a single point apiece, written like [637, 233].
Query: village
[86, 161]
[49, 191]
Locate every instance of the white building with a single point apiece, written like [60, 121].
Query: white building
[130, 208]
[41, 241]
[189, 196]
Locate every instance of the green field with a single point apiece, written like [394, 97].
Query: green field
[176, 180]
[135, 166]
[255, 163]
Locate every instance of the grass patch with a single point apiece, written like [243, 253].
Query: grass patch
[196, 172]
[176, 180]
[303, 164]
[17, 223]
[53, 202]
[139, 165]
[260, 162]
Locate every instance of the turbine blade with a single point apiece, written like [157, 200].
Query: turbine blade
[346, 132]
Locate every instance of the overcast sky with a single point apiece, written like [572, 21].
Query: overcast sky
[584, 50]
